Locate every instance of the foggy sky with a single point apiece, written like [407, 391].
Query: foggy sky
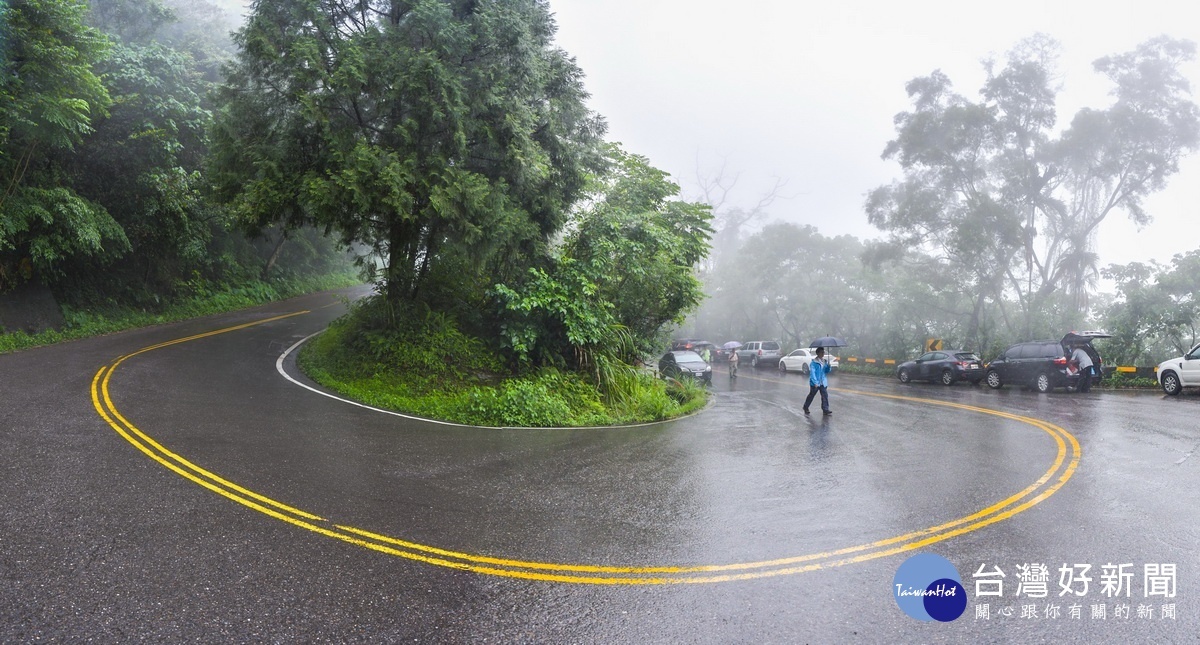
[807, 91]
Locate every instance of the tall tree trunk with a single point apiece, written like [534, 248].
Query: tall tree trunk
[973, 328]
[274, 256]
[396, 236]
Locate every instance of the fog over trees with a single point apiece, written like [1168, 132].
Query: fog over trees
[147, 154]
[105, 110]
[989, 234]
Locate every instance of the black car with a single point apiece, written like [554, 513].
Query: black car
[947, 366]
[1043, 364]
[682, 363]
[698, 346]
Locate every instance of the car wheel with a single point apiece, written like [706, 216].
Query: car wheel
[947, 377]
[1170, 383]
[804, 368]
[782, 367]
[754, 362]
[993, 380]
[904, 376]
[1043, 383]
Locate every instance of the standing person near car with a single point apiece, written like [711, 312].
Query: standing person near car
[817, 382]
[733, 363]
[1084, 361]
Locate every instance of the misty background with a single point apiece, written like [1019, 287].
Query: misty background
[782, 111]
[882, 172]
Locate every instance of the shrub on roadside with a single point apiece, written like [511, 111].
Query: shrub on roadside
[420, 363]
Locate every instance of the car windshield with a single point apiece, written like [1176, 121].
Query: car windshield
[688, 357]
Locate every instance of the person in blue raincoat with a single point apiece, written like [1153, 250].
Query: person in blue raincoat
[817, 382]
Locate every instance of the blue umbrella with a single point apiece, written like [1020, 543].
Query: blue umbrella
[827, 341]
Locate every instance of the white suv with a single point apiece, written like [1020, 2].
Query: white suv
[1181, 372]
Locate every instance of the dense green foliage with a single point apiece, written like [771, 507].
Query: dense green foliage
[49, 95]
[104, 120]
[624, 272]
[449, 137]
[1156, 314]
[423, 365]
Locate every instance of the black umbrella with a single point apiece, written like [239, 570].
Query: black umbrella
[827, 341]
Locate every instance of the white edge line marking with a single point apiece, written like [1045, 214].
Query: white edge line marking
[284, 355]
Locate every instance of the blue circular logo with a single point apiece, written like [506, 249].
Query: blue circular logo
[927, 587]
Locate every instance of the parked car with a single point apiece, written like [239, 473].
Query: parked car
[947, 366]
[798, 360]
[758, 352]
[698, 346]
[683, 363]
[1043, 364]
[1180, 372]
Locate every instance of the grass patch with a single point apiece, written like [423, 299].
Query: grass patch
[87, 323]
[1123, 381]
[423, 365]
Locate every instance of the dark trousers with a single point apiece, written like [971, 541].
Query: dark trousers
[812, 392]
[1085, 380]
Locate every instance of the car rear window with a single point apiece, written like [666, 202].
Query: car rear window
[966, 356]
[774, 346]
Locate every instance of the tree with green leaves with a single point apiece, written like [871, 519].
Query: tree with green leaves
[990, 189]
[50, 95]
[143, 164]
[448, 136]
[625, 272]
[1157, 310]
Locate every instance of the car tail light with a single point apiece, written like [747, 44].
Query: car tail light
[760, 352]
[1061, 360]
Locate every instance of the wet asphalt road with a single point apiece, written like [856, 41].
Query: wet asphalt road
[257, 511]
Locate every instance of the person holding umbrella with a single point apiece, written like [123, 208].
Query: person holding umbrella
[817, 382]
[817, 371]
[732, 346]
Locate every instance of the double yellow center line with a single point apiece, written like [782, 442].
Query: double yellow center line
[1065, 463]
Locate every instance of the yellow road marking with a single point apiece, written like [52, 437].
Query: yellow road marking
[639, 575]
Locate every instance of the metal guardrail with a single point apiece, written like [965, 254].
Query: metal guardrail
[1143, 372]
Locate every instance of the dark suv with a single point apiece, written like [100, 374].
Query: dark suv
[1042, 364]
